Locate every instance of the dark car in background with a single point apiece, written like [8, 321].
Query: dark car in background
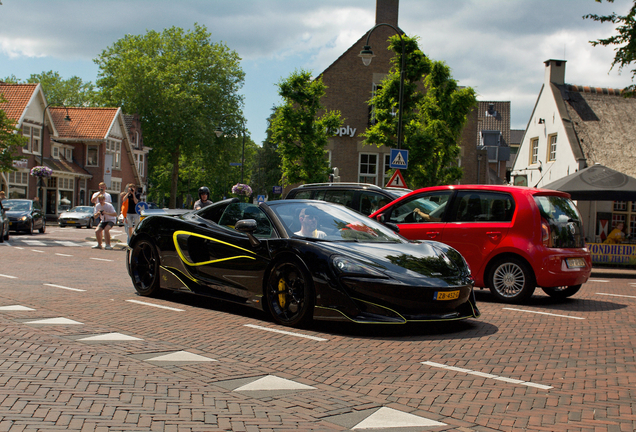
[514, 238]
[25, 215]
[78, 216]
[4, 224]
[362, 197]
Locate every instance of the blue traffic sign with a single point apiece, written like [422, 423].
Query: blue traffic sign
[260, 198]
[399, 159]
[277, 190]
[141, 205]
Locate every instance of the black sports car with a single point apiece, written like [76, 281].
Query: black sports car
[301, 259]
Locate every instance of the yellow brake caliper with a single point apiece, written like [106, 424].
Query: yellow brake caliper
[282, 288]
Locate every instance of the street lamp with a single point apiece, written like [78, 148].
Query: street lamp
[67, 119]
[367, 55]
[219, 133]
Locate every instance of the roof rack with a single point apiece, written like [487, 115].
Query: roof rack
[341, 184]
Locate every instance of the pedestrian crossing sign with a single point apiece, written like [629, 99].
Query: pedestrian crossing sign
[399, 159]
[397, 180]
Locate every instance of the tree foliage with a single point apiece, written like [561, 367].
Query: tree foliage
[625, 40]
[433, 115]
[10, 140]
[300, 132]
[71, 92]
[181, 84]
[268, 171]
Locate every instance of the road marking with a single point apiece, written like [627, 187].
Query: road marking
[156, 305]
[101, 259]
[38, 251]
[616, 295]
[598, 280]
[545, 313]
[319, 339]
[68, 243]
[10, 277]
[67, 255]
[487, 375]
[18, 247]
[66, 288]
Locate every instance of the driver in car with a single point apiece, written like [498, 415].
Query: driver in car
[309, 223]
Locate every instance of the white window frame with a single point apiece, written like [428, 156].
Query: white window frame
[534, 151]
[114, 147]
[552, 147]
[88, 150]
[29, 131]
[362, 174]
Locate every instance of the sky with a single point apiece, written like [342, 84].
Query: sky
[495, 46]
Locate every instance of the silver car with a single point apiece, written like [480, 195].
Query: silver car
[79, 216]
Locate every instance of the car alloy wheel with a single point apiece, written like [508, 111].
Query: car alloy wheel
[43, 229]
[289, 294]
[511, 280]
[144, 267]
[562, 291]
[31, 228]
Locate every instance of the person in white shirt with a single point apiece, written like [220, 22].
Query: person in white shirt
[108, 216]
[101, 191]
[309, 223]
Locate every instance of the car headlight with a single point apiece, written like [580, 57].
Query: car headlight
[349, 267]
[24, 218]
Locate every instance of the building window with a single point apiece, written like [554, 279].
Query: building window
[368, 168]
[56, 152]
[69, 154]
[625, 212]
[534, 151]
[139, 161]
[91, 155]
[65, 193]
[387, 169]
[552, 140]
[18, 184]
[114, 147]
[34, 138]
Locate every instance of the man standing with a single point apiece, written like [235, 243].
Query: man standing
[108, 216]
[102, 191]
[130, 198]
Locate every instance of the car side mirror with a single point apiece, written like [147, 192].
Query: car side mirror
[392, 226]
[248, 226]
[380, 218]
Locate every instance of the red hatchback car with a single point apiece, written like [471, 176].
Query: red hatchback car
[513, 238]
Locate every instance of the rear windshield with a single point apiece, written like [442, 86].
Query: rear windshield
[564, 219]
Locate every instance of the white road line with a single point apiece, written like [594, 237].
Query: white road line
[487, 375]
[9, 277]
[156, 305]
[319, 339]
[59, 254]
[18, 247]
[67, 243]
[101, 259]
[38, 251]
[616, 295]
[598, 280]
[545, 313]
[66, 288]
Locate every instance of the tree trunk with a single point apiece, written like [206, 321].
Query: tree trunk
[174, 186]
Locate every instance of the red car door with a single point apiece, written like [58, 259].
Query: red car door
[421, 216]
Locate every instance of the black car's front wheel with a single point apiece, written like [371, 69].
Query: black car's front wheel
[144, 268]
[562, 291]
[43, 227]
[289, 294]
[511, 280]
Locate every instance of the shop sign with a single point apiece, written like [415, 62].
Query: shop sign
[346, 131]
[620, 254]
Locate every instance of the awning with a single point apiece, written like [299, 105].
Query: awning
[597, 183]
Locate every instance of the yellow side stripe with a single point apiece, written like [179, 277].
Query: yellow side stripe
[191, 264]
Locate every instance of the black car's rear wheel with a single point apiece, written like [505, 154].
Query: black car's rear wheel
[31, 228]
[43, 229]
[562, 291]
[144, 268]
[289, 294]
[511, 280]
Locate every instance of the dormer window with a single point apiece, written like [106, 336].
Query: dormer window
[68, 154]
[56, 152]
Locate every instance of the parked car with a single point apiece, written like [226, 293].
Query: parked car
[24, 215]
[514, 238]
[78, 216]
[4, 224]
[257, 255]
[363, 197]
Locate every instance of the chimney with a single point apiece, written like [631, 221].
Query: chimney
[554, 71]
[386, 11]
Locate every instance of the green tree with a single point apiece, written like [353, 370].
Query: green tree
[434, 110]
[300, 133]
[625, 39]
[181, 84]
[71, 92]
[10, 140]
[268, 171]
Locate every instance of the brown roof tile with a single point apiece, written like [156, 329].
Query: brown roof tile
[86, 123]
[17, 96]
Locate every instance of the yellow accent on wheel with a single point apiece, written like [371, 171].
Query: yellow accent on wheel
[281, 293]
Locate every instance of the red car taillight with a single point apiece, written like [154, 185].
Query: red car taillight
[546, 238]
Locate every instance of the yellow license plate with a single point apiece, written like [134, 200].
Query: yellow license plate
[447, 295]
[70, 221]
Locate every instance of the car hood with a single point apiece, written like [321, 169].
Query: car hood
[428, 258]
[75, 215]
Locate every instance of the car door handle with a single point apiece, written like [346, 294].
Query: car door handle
[432, 234]
[494, 235]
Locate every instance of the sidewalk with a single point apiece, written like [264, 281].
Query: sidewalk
[615, 272]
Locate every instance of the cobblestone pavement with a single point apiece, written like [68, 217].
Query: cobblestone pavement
[80, 351]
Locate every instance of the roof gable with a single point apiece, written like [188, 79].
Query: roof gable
[18, 97]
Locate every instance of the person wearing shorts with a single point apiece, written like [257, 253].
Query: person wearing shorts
[108, 217]
[132, 218]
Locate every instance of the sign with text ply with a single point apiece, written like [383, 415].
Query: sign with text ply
[397, 180]
[399, 159]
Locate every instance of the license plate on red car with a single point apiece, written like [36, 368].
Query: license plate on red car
[575, 262]
[446, 295]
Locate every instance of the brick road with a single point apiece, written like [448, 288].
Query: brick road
[545, 366]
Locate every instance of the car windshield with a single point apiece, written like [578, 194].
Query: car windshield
[17, 205]
[81, 209]
[330, 222]
[564, 219]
